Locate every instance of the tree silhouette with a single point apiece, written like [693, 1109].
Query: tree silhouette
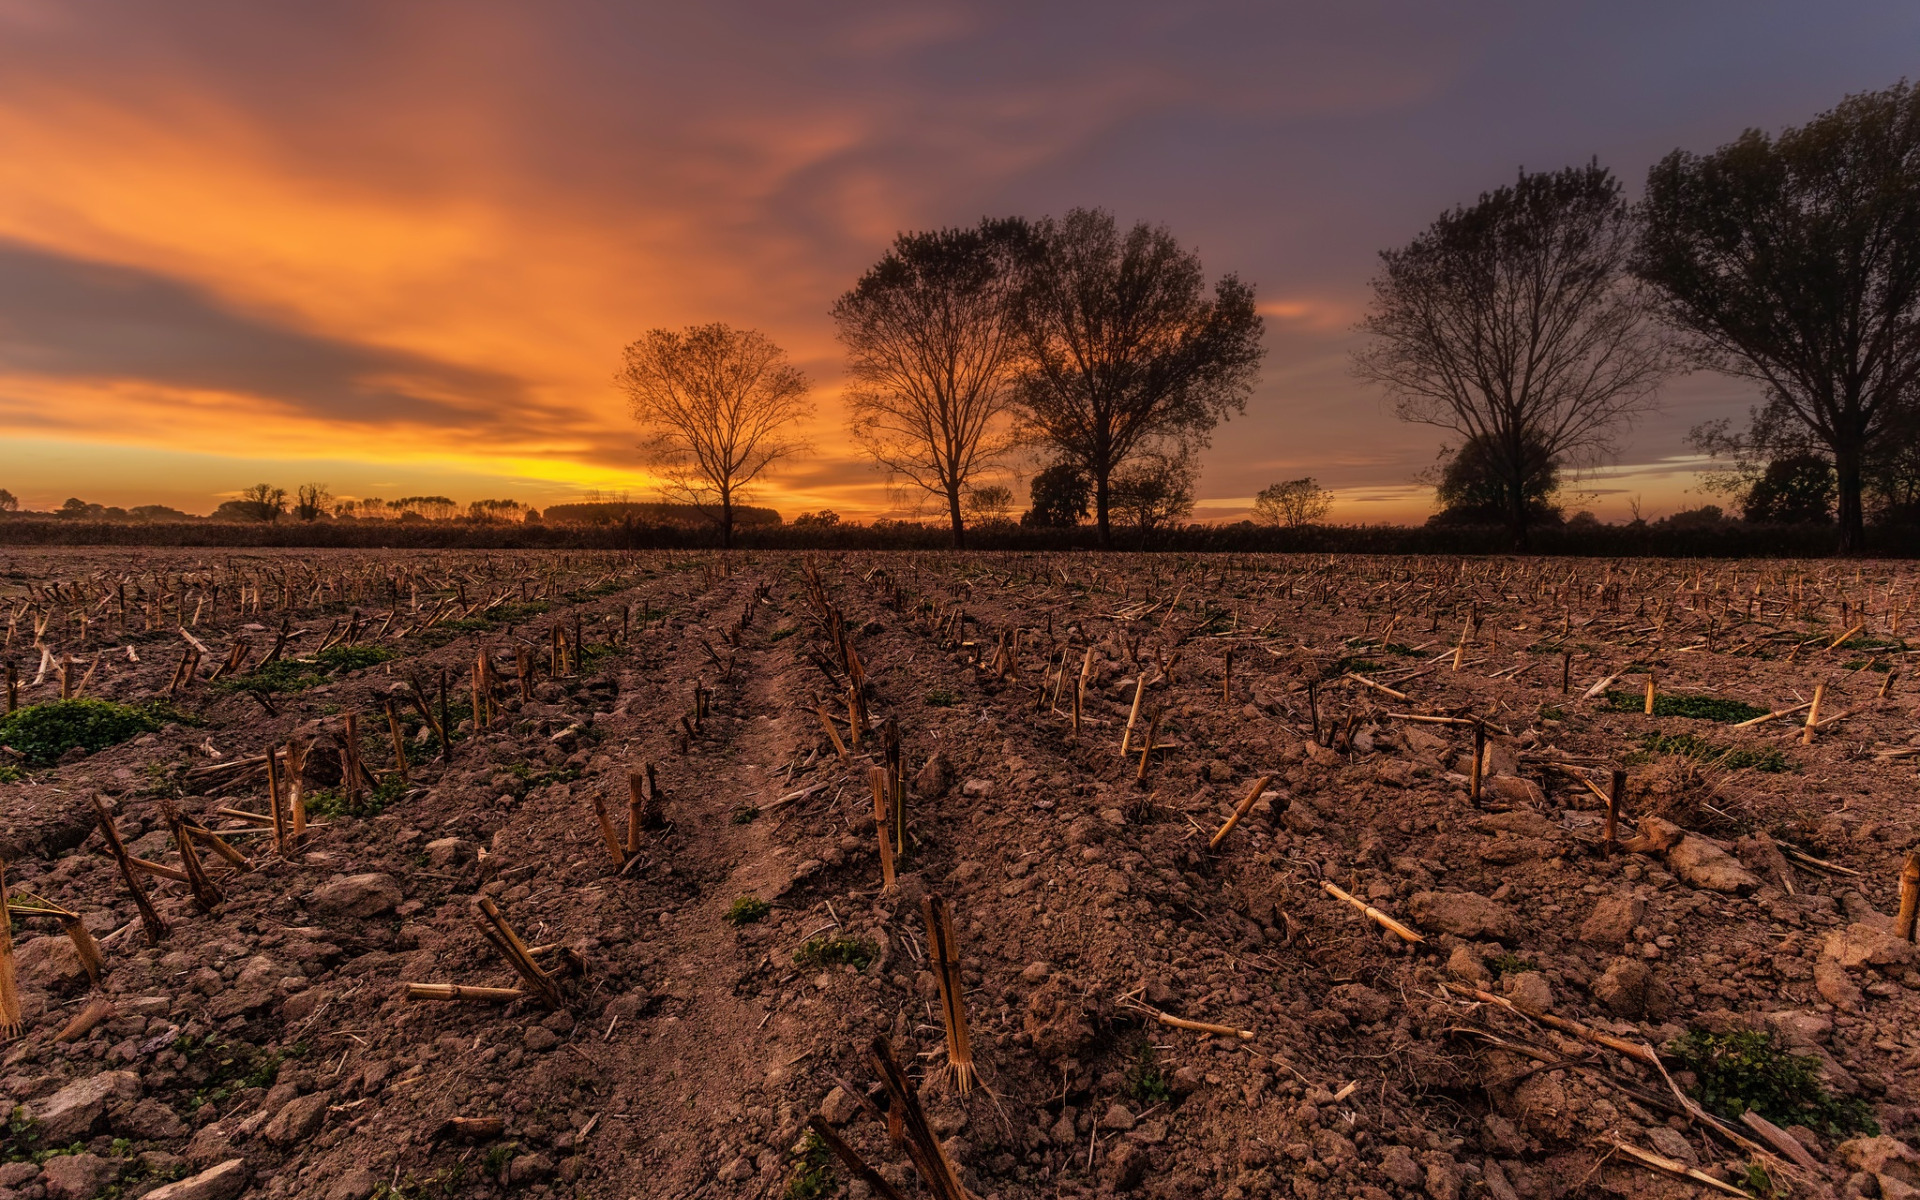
[716, 403]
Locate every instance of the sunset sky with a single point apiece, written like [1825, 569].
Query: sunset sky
[397, 247]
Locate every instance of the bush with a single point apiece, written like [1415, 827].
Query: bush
[1745, 1070]
[41, 733]
[825, 951]
[748, 909]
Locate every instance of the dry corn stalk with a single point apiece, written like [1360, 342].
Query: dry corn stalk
[1139, 690]
[607, 834]
[9, 987]
[86, 1020]
[1909, 896]
[151, 925]
[495, 929]
[1240, 810]
[943, 950]
[883, 823]
[205, 893]
[912, 1129]
[273, 802]
[1813, 714]
[461, 992]
[876, 1182]
[1373, 914]
[296, 797]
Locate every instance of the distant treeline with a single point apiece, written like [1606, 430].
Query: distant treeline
[1729, 540]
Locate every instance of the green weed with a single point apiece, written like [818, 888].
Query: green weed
[813, 1170]
[1699, 708]
[827, 951]
[941, 698]
[1146, 1084]
[747, 910]
[41, 733]
[1745, 1070]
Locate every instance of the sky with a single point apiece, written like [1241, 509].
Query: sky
[397, 248]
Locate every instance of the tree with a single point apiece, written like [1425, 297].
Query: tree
[932, 340]
[494, 512]
[1126, 353]
[311, 501]
[1058, 498]
[716, 403]
[8, 501]
[1149, 493]
[1795, 490]
[1474, 486]
[989, 503]
[1512, 322]
[262, 502]
[1295, 503]
[1795, 262]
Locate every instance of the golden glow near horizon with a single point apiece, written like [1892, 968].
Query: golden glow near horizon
[370, 243]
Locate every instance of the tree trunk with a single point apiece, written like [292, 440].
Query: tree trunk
[726, 521]
[1517, 514]
[1100, 509]
[1852, 518]
[953, 510]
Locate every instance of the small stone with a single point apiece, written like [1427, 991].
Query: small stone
[75, 1176]
[298, 1121]
[73, 1111]
[839, 1107]
[539, 1039]
[1399, 1165]
[1612, 921]
[529, 1168]
[1530, 990]
[738, 1171]
[357, 1184]
[355, 896]
[215, 1183]
[1036, 972]
[1117, 1116]
[1465, 914]
[150, 1121]
[447, 851]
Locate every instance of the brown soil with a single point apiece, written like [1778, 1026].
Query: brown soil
[691, 1052]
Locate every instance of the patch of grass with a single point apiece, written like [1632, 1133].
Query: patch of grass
[1146, 1083]
[1354, 663]
[11, 774]
[827, 951]
[332, 802]
[1399, 648]
[941, 698]
[1552, 712]
[1712, 754]
[813, 1170]
[513, 614]
[1698, 708]
[1746, 1070]
[1861, 663]
[1508, 963]
[41, 733]
[782, 634]
[747, 910]
[746, 814]
[498, 1157]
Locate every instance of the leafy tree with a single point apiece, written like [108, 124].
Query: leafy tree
[1512, 322]
[1127, 355]
[1149, 493]
[1474, 488]
[262, 502]
[1293, 504]
[311, 500]
[717, 404]
[932, 343]
[1058, 497]
[826, 518]
[1794, 261]
[494, 512]
[8, 501]
[1795, 490]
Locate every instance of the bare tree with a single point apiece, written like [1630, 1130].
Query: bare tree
[932, 340]
[1294, 503]
[716, 403]
[1126, 354]
[310, 502]
[1795, 262]
[1512, 322]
